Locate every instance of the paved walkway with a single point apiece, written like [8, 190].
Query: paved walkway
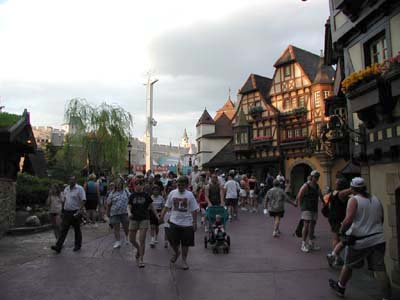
[258, 267]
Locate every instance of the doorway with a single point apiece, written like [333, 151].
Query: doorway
[298, 177]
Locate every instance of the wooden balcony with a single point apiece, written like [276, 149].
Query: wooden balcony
[262, 142]
[241, 147]
[294, 113]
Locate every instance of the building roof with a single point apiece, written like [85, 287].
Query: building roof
[228, 109]
[223, 128]
[257, 83]
[241, 119]
[325, 74]
[309, 61]
[205, 119]
[226, 156]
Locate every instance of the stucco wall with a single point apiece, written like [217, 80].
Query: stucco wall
[7, 205]
[212, 147]
[384, 180]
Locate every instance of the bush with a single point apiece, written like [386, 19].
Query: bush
[33, 191]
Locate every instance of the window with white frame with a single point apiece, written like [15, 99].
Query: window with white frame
[304, 131]
[297, 132]
[376, 50]
[287, 71]
[289, 133]
[301, 101]
[317, 99]
[326, 94]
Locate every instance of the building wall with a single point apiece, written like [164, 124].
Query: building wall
[384, 179]
[7, 204]
[209, 148]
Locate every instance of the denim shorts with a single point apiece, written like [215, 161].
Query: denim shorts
[119, 219]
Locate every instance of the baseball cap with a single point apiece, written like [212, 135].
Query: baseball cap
[314, 173]
[357, 182]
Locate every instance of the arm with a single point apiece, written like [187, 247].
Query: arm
[206, 193]
[350, 213]
[151, 207]
[194, 216]
[343, 195]
[222, 195]
[300, 195]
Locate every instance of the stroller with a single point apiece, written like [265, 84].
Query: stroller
[216, 237]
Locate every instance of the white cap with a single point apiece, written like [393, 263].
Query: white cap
[357, 182]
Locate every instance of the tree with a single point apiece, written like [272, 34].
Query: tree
[98, 136]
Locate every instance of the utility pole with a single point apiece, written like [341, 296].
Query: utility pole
[150, 122]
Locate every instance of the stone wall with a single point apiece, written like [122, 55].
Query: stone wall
[7, 204]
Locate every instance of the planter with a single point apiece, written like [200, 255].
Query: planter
[364, 96]
[393, 79]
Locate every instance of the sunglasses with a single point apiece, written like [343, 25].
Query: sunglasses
[139, 183]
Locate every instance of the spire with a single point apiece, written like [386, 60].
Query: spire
[205, 119]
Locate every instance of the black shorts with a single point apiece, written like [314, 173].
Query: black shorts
[153, 219]
[231, 202]
[276, 214]
[180, 235]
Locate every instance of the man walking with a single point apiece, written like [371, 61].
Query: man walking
[74, 202]
[308, 197]
[364, 223]
[183, 220]
[232, 189]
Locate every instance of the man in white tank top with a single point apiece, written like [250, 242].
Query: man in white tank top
[363, 221]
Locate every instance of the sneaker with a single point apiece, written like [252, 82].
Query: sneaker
[141, 263]
[313, 246]
[185, 266]
[275, 233]
[331, 259]
[335, 286]
[76, 248]
[127, 243]
[304, 247]
[56, 249]
[152, 244]
[117, 245]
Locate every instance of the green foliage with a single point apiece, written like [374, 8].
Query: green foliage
[32, 190]
[6, 119]
[100, 136]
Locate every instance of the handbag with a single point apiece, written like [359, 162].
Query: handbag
[325, 210]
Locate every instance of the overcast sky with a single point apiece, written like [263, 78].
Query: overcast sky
[55, 50]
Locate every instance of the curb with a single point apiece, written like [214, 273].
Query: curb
[28, 230]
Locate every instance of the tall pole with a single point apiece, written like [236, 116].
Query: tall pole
[150, 123]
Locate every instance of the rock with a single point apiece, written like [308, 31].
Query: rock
[32, 221]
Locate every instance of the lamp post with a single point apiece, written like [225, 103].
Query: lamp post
[129, 157]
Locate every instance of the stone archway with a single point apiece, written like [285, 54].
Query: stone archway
[298, 175]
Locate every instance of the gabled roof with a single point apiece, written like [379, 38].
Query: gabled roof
[325, 73]
[205, 119]
[241, 119]
[308, 61]
[228, 109]
[257, 83]
[223, 128]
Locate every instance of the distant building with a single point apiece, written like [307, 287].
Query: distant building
[48, 135]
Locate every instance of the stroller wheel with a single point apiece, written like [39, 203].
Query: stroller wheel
[205, 242]
[228, 240]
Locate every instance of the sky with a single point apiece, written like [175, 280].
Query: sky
[55, 50]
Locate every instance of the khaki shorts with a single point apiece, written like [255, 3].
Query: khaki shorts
[307, 215]
[375, 257]
[136, 225]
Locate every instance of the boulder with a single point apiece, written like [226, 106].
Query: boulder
[32, 221]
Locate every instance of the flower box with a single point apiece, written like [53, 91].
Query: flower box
[294, 139]
[364, 96]
[393, 78]
[261, 139]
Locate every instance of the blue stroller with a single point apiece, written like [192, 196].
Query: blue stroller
[216, 236]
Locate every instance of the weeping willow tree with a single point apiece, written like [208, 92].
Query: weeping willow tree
[98, 136]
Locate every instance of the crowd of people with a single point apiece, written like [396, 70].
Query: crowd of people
[153, 201]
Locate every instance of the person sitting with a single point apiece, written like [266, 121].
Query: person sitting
[219, 227]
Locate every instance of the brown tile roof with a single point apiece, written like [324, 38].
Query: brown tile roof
[257, 83]
[205, 119]
[228, 109]
[310, 62]
[223, 128]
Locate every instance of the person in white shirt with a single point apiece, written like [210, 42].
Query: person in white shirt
[183, 220]
[232, 189]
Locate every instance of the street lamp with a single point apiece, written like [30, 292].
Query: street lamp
[129, 156]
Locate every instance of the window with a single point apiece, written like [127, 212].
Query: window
[304, 131]
[286, 104]
[297, 132]
[287, 71]
[268, 131]
[237, 138]
[301, 101]
[317, 99]
[326, 94]
[376, 50]
[243, 139]
[289, 134]
[294, 103]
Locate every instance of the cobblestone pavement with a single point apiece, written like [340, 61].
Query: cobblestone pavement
[258, 267]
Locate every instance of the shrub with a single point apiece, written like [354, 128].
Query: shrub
[33, 191]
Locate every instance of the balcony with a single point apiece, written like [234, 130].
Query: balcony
[241, 147]
[256, 112]
[295, 113]
[262, 141]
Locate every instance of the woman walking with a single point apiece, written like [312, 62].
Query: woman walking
[139, 205]
[117, 203]
[55, 202]
[92, 198]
